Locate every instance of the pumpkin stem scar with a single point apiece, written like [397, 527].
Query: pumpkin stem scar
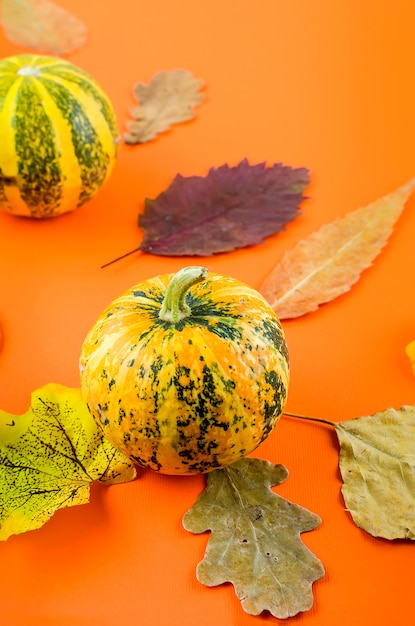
[174, 307]
[310, 419]
[27, 70]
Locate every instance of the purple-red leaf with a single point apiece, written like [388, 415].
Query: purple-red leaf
[232, 207]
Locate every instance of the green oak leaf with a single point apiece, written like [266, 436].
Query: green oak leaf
[49, 457]
[377, 464]
[255, 542]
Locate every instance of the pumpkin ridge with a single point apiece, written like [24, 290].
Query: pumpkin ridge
[63, 74]
[36, 156]
[8, 167]
[92, 159]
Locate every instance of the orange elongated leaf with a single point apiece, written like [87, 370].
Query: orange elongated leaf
[410, 351]
[326, 264]
[43, 26]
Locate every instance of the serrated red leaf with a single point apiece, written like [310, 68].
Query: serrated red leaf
[230, 208]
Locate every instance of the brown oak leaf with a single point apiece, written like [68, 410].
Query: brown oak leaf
[169, 99]
[255, 542]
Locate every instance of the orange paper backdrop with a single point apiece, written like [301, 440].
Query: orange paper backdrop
[326, 85]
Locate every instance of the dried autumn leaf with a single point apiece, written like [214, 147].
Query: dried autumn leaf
[230, 208]
[169, 99]
[410, 351]
[255, 542]
[327, 263]
[377, 464]
[49, 457]
[43, 26]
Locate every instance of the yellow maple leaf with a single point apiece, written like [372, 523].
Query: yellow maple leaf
[49, 457]
[326, 264]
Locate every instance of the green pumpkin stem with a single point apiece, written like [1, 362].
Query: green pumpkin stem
[174, 307]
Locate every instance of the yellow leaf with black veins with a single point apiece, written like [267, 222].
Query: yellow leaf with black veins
[49, 457]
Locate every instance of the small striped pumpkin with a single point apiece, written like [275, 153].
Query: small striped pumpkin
[186, 373]
[58, 136]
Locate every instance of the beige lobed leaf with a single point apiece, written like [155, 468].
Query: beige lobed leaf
[255, 542]
[326, 264]
[169, 99]
[43, 26]
[377, 464]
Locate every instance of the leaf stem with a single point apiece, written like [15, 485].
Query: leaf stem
[123, 256]
[310, 419]
[174, 307]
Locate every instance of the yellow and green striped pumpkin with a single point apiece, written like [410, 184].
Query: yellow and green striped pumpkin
[186, 373]
[58, 136]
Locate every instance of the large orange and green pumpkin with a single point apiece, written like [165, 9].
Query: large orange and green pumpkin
[186, 373]
[58, 136]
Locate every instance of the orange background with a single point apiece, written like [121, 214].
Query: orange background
[326, 85]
